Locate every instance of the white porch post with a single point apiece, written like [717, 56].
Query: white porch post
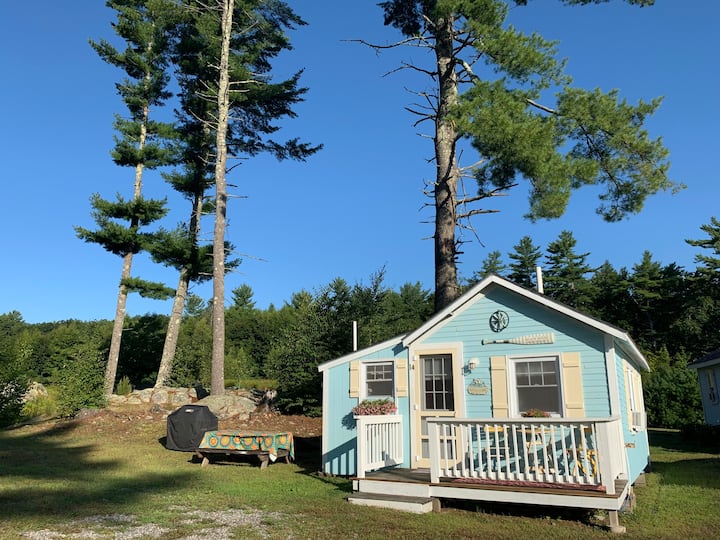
[610, 453]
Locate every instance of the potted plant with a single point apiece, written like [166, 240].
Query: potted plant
[535, 413]
[375, 406]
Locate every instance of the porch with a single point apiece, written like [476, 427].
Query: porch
[550, 462]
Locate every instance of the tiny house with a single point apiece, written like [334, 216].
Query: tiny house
[708, 371]
[505, 395]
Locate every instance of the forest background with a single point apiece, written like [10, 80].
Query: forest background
[671, 312]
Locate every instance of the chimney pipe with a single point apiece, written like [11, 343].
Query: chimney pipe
[539, 276]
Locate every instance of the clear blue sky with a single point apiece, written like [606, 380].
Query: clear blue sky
[356, 206]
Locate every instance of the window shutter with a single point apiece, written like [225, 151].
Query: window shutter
[401, 378]
[499, 389]
[573, 385]
[355, 379]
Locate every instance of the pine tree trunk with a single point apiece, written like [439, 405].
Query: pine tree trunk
[120, 309]
[446, 290]
[217, 375]
[173, 331]
[116, 338]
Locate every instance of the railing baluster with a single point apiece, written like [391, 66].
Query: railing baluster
[539, 450]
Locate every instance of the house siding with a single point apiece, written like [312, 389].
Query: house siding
[471, 326]
[712, 409]
[339, 430]
[637, 445]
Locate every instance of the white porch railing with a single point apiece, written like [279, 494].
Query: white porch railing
[379, 442]
[585, 451]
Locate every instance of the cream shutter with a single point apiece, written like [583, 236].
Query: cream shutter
[572, 385]
[401, 378]
[355, 379]
[499, 389]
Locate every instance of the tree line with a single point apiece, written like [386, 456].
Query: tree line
[210, 64]
[673, 315]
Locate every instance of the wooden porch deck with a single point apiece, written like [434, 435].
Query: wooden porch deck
[417, 482]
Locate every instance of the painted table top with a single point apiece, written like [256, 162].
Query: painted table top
[249, 441]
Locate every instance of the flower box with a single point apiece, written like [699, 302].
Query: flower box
[375, 407]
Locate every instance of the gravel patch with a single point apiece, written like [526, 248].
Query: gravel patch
[215, 526]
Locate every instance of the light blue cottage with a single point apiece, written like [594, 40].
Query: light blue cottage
[464, 383]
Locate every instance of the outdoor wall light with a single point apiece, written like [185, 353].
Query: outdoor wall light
[473, 363]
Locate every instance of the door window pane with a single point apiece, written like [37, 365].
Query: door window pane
[438, 378]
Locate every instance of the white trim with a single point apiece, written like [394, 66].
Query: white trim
[362, 390]
[477, 291]
[325, 422]
[513, 407]
[357, 355]
[612, 375]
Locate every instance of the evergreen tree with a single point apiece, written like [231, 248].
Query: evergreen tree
[237, 40]
[610, 296]
[584, 137]
[139, 144]
[492, 264]
[703, 311]
[566, 270]
[524, 263]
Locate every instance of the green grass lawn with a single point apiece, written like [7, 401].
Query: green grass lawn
[77, 482]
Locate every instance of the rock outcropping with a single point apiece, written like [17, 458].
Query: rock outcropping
[232, 404]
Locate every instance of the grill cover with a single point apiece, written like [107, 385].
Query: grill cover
[187, 425]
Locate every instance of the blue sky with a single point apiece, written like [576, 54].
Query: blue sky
[356, 206]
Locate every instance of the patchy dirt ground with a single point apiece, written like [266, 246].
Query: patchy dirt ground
[128, 419]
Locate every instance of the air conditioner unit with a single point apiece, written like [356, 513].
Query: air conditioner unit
[638, 419]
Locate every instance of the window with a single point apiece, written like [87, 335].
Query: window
[379, 380]
[438, 380]
[711, 386]
[633, 382]
[537, 384]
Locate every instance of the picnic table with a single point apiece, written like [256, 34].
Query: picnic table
[266, 446]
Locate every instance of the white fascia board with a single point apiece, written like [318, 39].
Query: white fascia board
[477, 291]
[359, 354]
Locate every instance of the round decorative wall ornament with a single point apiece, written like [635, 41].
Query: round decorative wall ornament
[499, 321]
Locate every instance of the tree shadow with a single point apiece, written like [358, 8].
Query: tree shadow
[684, 441]
[45, 474]
[700, 472]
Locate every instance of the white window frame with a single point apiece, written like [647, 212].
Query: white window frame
[712, 389]
[513, 400]
[638, 419]
[363, 389]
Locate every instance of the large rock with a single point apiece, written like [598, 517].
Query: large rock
[232, 403]
[34, 391]
[228, 405]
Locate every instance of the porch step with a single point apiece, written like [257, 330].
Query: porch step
[416, 505]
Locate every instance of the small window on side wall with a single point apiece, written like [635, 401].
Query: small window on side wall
[379, 380]
[712, 386]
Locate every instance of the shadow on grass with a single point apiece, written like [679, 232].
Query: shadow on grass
[687, 441]
[700, 472]
[45, 474]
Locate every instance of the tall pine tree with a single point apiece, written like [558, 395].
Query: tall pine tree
[239, 40]
[487, 85]
[139, 144]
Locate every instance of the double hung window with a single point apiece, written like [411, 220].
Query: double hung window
[379, 380]
[537, 385]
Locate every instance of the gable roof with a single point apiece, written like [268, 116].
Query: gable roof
[362, 352]
[478, 290]
[708, 360]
